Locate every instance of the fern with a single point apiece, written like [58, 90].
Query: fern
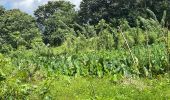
[152, 14]
[163, 18]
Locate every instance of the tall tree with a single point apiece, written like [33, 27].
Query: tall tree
[92, 11]
[17, 28]
[52, 18]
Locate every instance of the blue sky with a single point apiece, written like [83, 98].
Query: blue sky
[29, 5]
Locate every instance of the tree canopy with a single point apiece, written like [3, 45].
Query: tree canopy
[53, 17]
[92, 11]
[17, 28]
[56, 19]
[2, 10]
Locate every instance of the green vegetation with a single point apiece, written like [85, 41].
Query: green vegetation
[60, 54]
[63, 88]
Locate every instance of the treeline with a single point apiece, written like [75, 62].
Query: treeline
[53, 21]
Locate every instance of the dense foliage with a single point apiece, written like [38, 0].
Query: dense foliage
[92, 11]
[105, 45]
[53, 19]
[17, 29]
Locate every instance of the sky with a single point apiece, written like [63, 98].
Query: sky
[29, 6]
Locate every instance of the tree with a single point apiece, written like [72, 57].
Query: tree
[17, 29]
[92, 11]
[54, 18]
[2, 10]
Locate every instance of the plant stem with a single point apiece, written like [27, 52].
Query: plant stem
[149, 52]
[130, 51]
[168, 51]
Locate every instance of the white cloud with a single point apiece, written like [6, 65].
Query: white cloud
[25, 5]
[30, 5]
